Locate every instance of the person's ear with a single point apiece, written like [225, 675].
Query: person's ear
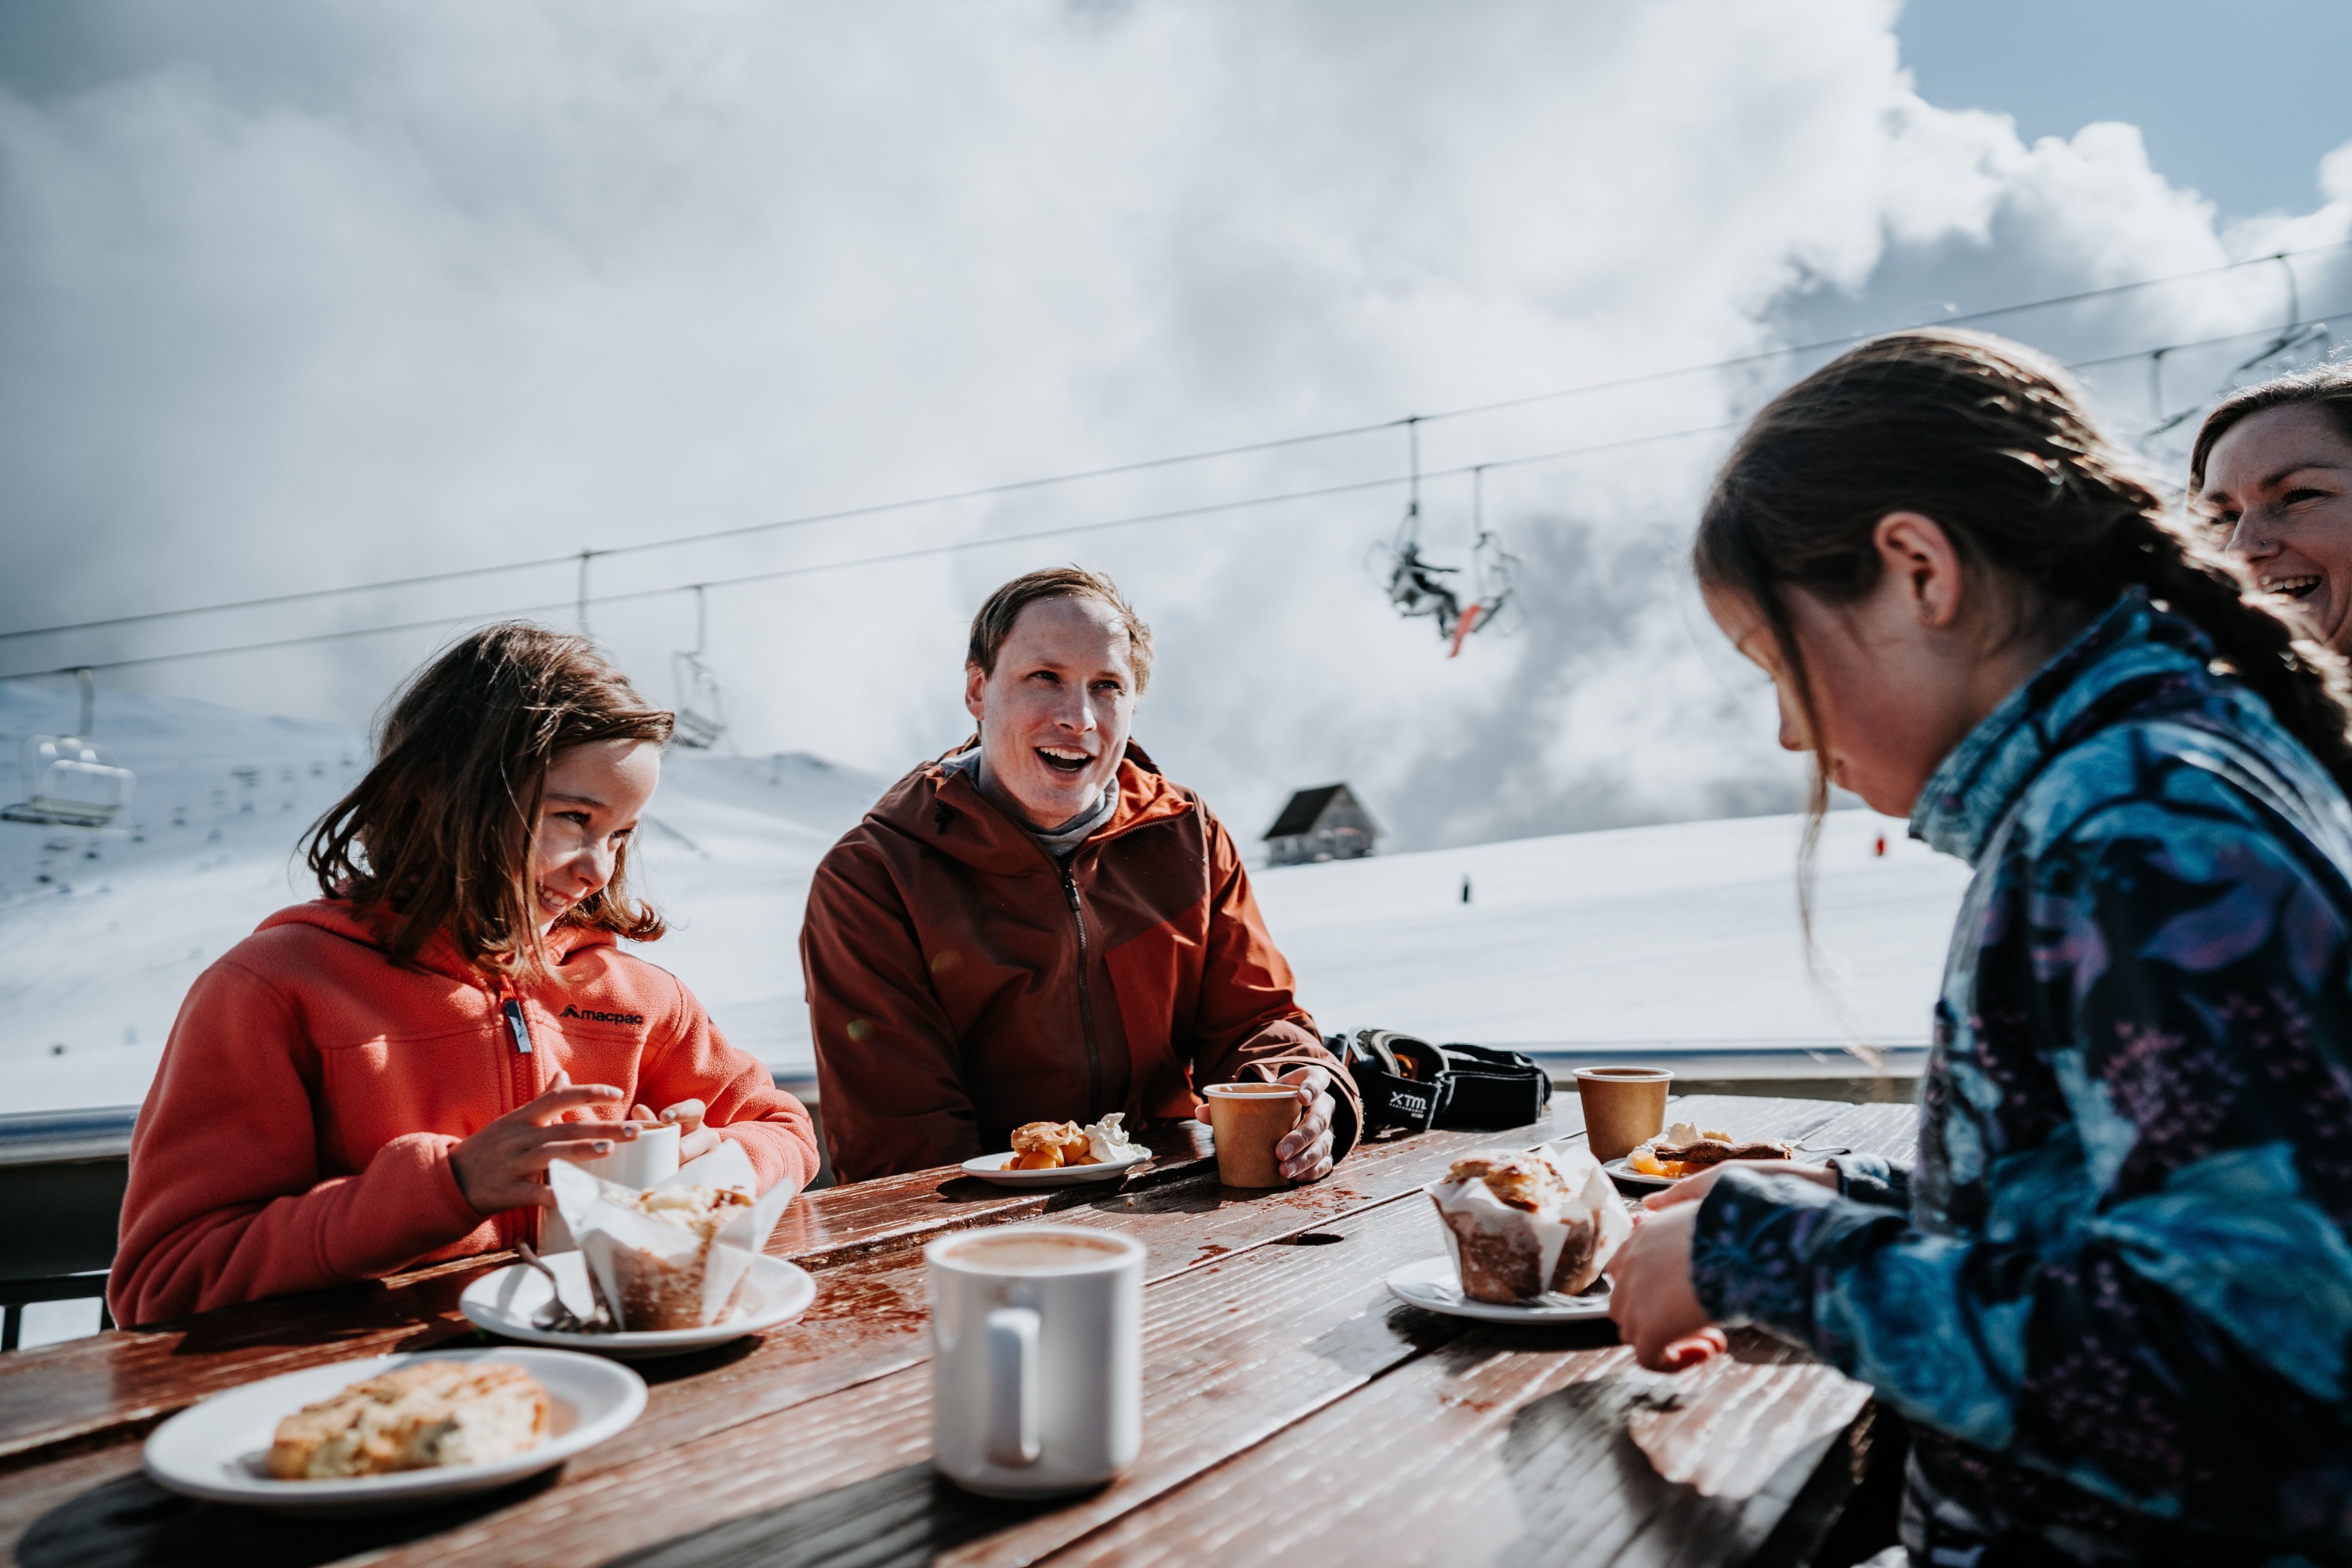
[1913, 549]
[975, 686]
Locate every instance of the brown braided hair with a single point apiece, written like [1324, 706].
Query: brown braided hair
[1992, 440]
[442, 828]
[2326, 387]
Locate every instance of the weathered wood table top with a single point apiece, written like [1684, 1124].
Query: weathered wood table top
[1289, 1403]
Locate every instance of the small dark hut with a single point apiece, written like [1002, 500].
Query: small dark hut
[1327, 823]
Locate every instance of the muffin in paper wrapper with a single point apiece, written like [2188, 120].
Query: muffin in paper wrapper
[1515, 1256]
[651, 1275]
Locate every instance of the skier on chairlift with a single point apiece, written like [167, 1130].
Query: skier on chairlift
[1417, 587]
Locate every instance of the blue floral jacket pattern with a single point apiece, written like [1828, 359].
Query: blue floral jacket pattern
[2114, 1296]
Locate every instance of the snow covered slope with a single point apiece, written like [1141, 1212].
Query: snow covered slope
[726, 859]
[1679, 936]
[103, 932]
[1684, 936]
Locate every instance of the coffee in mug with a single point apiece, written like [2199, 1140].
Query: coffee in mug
[1624, 1107]
[1036, 1358]
[1249, 1120]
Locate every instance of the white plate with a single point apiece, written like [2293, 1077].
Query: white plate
[991, 1168]
[1433, 1285]
[214, 1449]
[1619, 1169]
[774, 1292]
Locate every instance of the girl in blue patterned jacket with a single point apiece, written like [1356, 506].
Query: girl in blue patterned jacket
[2115, 1295]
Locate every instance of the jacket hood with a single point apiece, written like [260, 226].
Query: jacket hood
[940, 806]
[372, 925]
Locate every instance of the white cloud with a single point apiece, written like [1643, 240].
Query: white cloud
[308, 294]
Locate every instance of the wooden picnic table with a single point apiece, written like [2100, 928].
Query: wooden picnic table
[1289, 1402]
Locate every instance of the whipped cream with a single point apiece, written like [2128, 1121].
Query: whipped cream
[1107, 1141]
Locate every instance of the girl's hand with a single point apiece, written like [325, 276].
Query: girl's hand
[1305, 1152]
[694, 1139]
[1652, 1302]
[502, 1166]
[1691, 1189]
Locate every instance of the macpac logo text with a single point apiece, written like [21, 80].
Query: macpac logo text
[595, 1017]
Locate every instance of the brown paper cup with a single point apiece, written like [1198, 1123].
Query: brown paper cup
[1250, 1119]
[1623, 1108]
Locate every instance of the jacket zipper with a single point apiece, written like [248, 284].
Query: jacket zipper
[522, 1081]
[1085, 1001]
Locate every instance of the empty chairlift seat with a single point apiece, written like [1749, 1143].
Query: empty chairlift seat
[70, 781]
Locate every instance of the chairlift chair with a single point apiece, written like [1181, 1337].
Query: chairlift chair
[70, 781]
[701, 701]
[1492, 568]
[1418, 587]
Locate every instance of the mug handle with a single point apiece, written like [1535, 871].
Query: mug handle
[1013, 1386]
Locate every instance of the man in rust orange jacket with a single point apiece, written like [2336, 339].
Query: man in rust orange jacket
[1041, 927]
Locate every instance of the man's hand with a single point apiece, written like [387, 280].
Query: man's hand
[1305, 1152]
[501, 1166]
[694, 1139]
[1691, 1189]
[1652, 1301]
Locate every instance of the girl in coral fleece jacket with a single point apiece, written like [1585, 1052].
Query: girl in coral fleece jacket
[381, 1076]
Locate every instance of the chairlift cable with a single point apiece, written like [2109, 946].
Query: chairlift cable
[959, 546]
[1145, 465]
[1207, 509]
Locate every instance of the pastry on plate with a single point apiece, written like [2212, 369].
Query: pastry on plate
[425, 1414]
[1050, 1145]
[1523, 1225]
[658, 1292]
[1684, 1149]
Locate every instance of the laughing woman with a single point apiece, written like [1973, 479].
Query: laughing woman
[2271, 472]
[380, 1077]
[2114, 1296]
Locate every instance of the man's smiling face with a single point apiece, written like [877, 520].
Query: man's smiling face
[1054, 714]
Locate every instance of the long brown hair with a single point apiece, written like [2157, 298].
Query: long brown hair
[2326, 387]
[441, 829]
[1993, 442]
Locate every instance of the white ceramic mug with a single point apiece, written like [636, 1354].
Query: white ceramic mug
[645, 1160]
[1036, 1358]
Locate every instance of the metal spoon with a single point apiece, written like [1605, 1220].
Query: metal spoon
[556, 1317]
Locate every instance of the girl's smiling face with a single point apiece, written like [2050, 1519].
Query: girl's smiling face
[587, 814]
[2278, 495]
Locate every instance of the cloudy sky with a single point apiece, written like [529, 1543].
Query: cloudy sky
[304, 295]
